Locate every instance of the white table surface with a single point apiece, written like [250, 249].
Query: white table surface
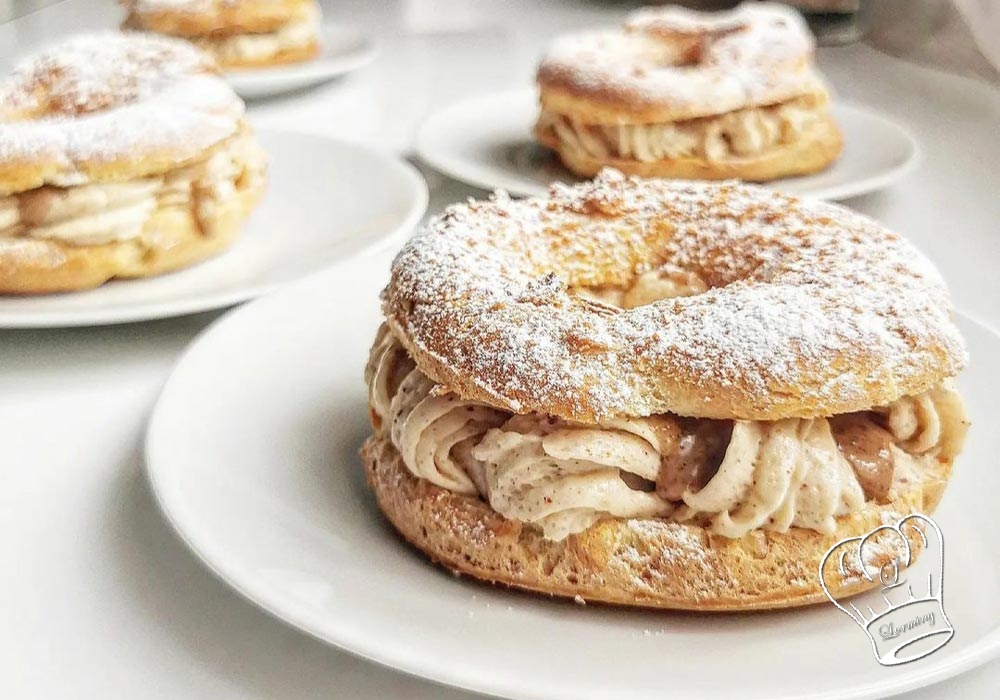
[98, 598]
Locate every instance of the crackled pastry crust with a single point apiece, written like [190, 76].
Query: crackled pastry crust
[811, 310]
[649, 563]
[672, 67]
[110, 107]
[109, 116]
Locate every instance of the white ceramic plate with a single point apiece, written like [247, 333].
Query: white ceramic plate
[487, 142]
[342, 50]
[252, 454]
[325, 200]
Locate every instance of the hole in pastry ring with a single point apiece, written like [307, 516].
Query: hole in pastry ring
[670, 64]
[810, 309]
[110, 106]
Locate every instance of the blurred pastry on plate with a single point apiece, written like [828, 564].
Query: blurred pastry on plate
[238, 33]
[685, 94]
[121, 155]
[659, 393]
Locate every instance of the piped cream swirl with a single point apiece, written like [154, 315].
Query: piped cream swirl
[778, 475]
[931, 423]
[99, 213]
[564, 477]
[427, 427]
[89, 214]
[738, 134]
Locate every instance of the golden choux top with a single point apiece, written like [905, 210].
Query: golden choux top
[110, 107]
[672, 64]
[805, 308]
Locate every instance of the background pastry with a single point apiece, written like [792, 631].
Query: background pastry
[673, 395]
[121, 155]
[678, 93]
[238, 33]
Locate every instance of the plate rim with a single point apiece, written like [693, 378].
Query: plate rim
[985, 650]
[303, 74]
[446, 164]
[153, 311]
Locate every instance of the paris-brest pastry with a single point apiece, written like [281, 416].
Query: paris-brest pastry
[237, 33]
[678, 93]
[657, 393]
[121, 155]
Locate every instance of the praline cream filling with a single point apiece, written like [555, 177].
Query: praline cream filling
[730, 476]
[564, 476]
[99, 213]
[738, 134]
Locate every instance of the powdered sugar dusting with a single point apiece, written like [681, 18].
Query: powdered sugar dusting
[804, 297]
[106, 96]
[692, 62]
